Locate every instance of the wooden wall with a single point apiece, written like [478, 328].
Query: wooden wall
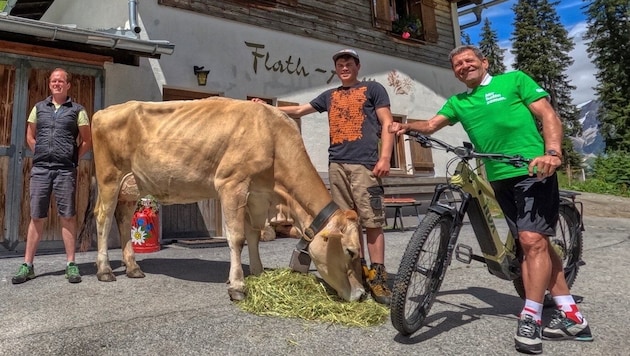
[348, 23]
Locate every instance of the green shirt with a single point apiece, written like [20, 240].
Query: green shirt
[497, 119]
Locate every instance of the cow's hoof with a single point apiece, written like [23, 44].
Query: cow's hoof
[236, 295]
[106, 277]
[135, 273]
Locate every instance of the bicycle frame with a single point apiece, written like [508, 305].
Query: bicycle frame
[475, 195]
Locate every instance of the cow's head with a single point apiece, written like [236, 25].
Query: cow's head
[335, 253]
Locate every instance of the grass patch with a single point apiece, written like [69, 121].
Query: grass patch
[288, 294]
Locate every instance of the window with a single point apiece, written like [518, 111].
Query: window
[410, 19]
[175, 93]
[298, 121]
[398, 162]
[270, 101]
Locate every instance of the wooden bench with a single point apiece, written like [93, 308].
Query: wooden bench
[398, 204]
[408, 192]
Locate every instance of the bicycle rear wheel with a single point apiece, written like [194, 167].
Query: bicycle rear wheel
[568, 245]
[420, 273]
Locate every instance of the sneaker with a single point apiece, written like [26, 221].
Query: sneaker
[527, 338]
[72, 273]
[562, 328]
[23, 274]
[377, 283]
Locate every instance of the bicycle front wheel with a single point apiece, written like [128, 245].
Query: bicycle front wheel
[420, 273]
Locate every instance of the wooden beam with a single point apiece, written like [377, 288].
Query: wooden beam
[53, 53]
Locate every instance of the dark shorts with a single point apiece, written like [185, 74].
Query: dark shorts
[529, 203]
[61, 182]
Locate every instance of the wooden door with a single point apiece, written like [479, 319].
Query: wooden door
[8, 151]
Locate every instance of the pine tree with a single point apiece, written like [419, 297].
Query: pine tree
[466, 39]
[490, 47]
[609, 49]
[541, 47]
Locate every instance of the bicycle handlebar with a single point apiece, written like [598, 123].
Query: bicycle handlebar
[467, 152]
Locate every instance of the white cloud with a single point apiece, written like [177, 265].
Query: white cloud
[581, 73]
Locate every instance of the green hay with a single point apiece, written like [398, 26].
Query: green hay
[285, 293]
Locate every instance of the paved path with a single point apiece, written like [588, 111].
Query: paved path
[182, 307]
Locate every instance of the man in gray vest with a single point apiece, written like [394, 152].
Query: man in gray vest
[54, 125]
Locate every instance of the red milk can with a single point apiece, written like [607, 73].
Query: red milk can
[145, 227]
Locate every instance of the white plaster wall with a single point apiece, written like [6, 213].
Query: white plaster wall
[220, 46]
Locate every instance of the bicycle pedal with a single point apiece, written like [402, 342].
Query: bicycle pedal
[463, 253]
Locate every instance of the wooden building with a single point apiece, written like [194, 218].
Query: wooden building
[280, 50]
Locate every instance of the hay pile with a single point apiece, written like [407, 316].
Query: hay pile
[289, 294]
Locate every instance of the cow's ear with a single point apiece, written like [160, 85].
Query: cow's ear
[351, 215]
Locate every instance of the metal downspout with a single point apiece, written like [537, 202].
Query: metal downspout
[133, 16]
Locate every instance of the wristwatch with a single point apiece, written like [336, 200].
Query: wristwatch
[553, 153]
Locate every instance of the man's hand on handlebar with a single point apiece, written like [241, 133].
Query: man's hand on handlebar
[544, 166]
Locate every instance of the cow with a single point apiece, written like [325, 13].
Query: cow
[248, 155]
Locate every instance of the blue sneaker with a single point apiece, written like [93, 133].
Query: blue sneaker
[562, 328]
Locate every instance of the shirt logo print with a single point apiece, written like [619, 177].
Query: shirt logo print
[493, 98]
[346, 115]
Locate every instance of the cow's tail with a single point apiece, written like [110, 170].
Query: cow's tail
[87, 235]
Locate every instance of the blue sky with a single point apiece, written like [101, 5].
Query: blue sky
[581, 73]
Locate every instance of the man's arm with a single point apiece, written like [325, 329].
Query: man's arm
[294, 111]
[552, 126]
[426, 127]
[552, 135]
[86, 139]
[297, 111]
[382, 167]
[31, 129]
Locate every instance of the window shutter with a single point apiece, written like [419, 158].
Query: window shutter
[382, 14]
[421, 157]
[425, 9]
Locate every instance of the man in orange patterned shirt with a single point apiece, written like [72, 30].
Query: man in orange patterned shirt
[359, 116]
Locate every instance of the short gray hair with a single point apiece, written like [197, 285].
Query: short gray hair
[463, 48]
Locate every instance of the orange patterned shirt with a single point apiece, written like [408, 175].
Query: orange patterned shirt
[354, 126]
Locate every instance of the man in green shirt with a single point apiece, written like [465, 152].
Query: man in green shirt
[499, 115]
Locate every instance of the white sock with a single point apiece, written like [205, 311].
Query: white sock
[534, 309]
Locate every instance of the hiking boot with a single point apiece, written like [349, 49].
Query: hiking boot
[72, 273]
[377, 284]
[527, 338]
[366, 273]
[562, 328]
[23, 274]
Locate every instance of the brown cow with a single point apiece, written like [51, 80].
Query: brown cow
[234, 150]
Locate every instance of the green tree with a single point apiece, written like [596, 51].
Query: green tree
[609, 48]
[541, 47]
[466, 39]
[490, 47]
